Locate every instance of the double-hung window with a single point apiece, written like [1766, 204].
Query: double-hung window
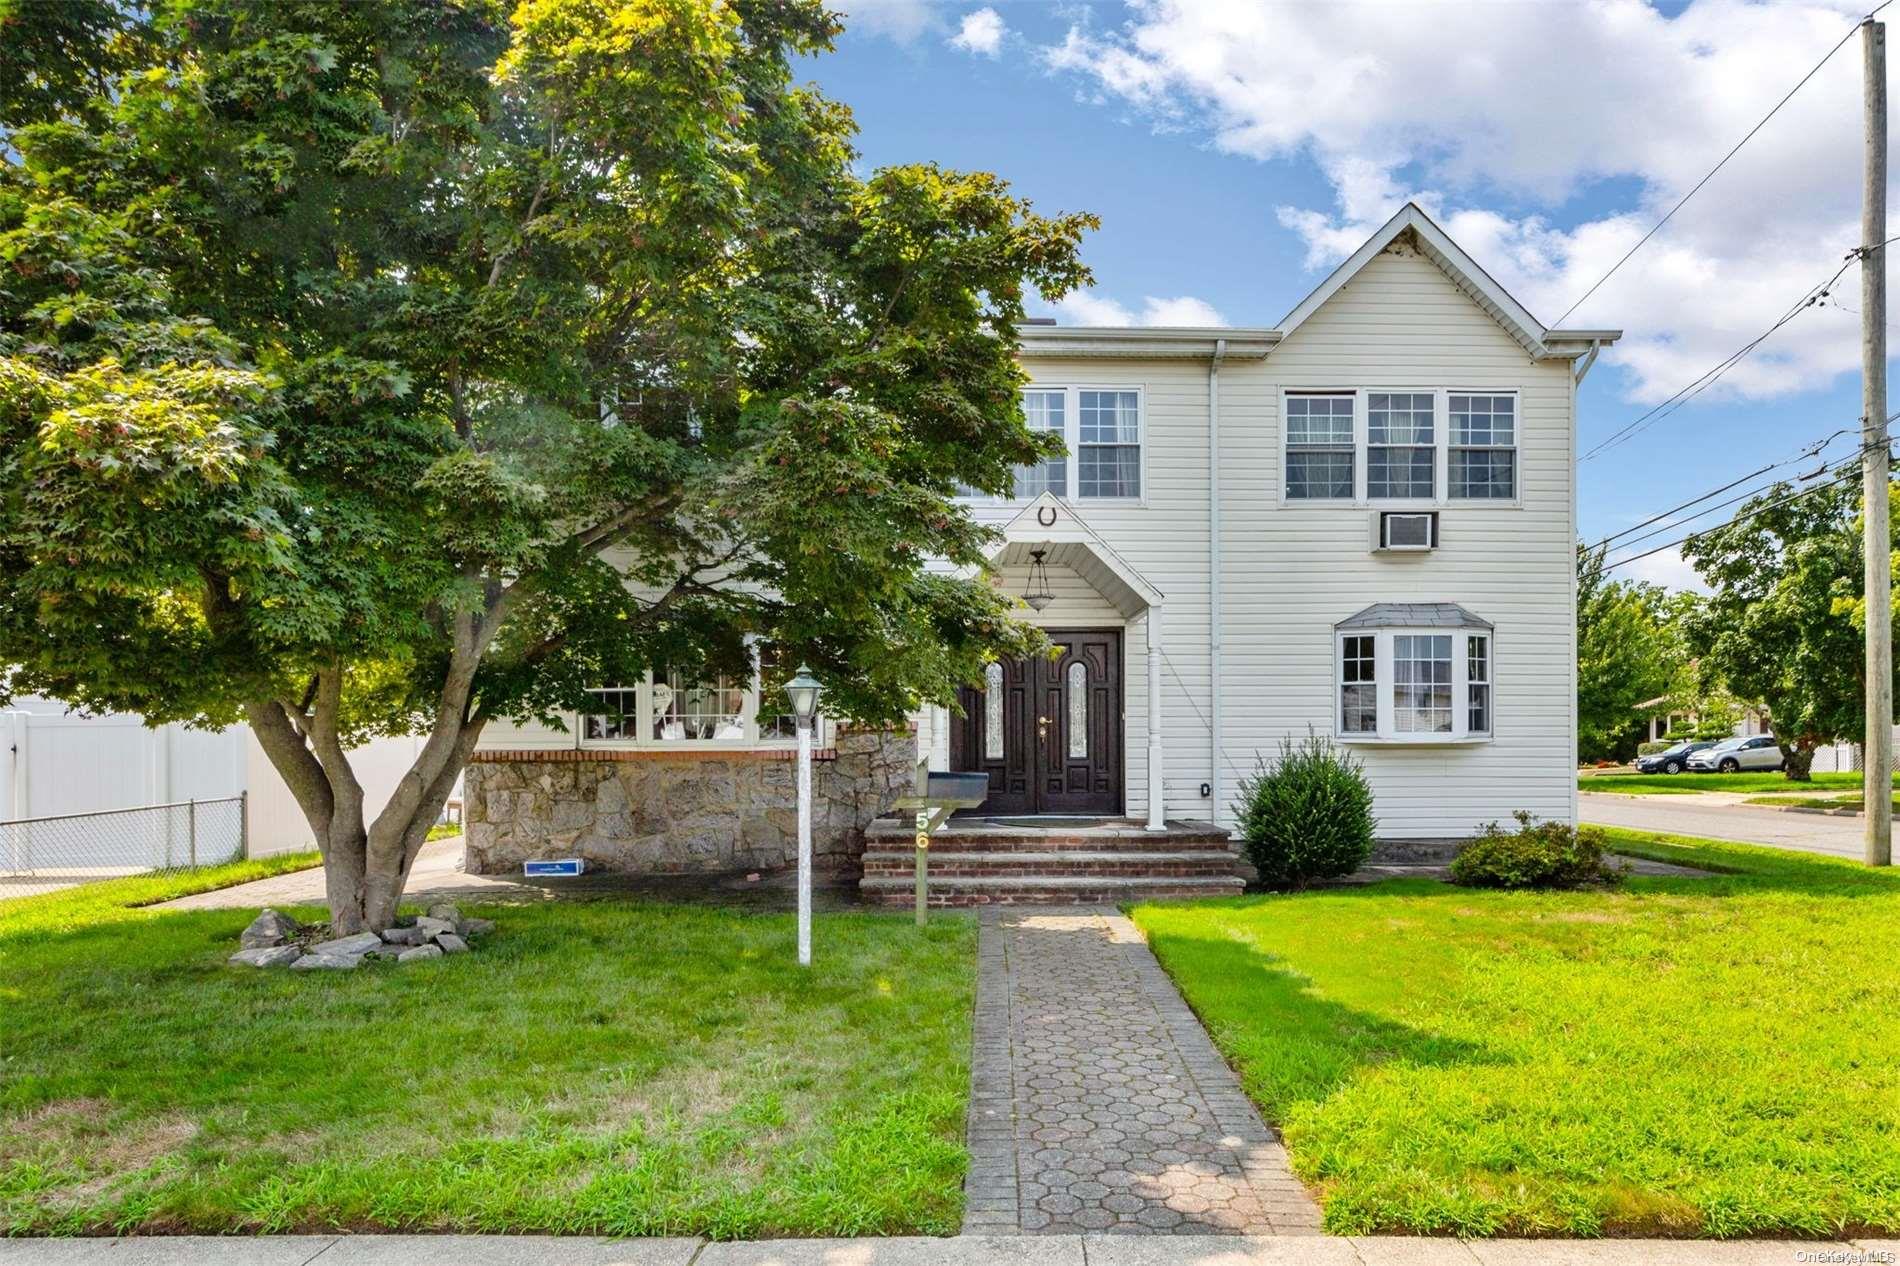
[1358, 684]
[1483, 446]
[1102, 429]
[1045, 411]
[1319, 447]
[1108, 456]
[1431, 445]
[1401, 457]
[1414, 673]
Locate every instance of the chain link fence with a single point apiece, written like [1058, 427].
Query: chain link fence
[46, 854]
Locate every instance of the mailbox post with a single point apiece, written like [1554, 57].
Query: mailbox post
[935, 796]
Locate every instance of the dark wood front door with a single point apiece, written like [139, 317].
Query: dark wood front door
[1048, 731]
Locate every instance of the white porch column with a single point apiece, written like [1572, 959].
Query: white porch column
[1157, 812]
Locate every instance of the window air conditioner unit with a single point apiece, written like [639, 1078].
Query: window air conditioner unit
[1406, 531]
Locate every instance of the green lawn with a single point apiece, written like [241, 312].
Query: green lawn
[602, 1067]
[1685, 1057]
[1685, 784]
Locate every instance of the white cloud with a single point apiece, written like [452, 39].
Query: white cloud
[1668, 569]
[902, 21]
[1457, 106]
[981, 32]
[1086, 307]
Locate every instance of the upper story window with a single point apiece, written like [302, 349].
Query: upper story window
[1401, 446]
[1045, 411]
[1108, 457]
[1102, 427]
[1427, 683]
[1483, 446]
[1401, 458]
[1319, 446]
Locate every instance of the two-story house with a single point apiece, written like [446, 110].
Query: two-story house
[1361, 523]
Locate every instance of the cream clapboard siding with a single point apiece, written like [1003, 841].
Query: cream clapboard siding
[1292, 571]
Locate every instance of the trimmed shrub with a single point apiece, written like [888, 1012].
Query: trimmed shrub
[1536, 855]
[1659, 745]
[1308, 816]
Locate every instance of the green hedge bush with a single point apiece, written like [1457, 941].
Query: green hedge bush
[1536, 855]
[1308, 816]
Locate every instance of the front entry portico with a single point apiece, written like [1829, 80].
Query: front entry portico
[1106, 618]
[1048, 729]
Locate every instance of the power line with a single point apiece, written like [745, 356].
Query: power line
[1811, 450]
[1691, 390]
[1718, 167]
[1844, 473]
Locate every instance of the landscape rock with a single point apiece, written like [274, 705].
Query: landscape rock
[431, 927]
[411, 935]
[269, 928]
[348, 946]
[332, 962]
[266, 956]
[446, 912]
[418, 953]
[477, 927]
[451, 943]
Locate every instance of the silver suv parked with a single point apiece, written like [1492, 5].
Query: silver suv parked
[1732, 756]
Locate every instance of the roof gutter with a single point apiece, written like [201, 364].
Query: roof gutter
[1213, 581]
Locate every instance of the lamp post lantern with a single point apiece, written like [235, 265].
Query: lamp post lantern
[804, 691]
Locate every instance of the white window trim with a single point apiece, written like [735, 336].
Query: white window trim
[1361, 440]
[1387, 735]
[748, 718]
[1071, 436]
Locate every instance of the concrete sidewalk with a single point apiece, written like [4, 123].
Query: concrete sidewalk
[971, 1250]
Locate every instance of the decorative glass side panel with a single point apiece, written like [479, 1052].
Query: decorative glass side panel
[993, 712]
[1078, 711]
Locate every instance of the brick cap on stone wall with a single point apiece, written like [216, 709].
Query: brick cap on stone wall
[571, 755]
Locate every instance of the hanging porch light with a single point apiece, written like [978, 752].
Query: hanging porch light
[1036, 593]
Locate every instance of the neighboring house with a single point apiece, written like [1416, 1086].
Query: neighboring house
[55, 762]
[1360, 523]
[1660, 719]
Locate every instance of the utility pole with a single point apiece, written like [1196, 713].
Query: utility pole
[1877, 767]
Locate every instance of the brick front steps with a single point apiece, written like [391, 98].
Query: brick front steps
[974, 862]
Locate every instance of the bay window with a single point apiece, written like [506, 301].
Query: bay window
[1413, 673]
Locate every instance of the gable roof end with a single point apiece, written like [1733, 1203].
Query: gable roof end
[1467, 275]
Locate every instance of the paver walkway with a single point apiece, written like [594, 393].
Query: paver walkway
[1099, 1103]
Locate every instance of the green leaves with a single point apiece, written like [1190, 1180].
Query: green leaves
[329, 332]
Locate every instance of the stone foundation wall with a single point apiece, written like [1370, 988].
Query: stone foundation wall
[671, 813]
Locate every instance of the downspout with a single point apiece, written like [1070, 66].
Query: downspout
[1590, 358]
[1213, 581]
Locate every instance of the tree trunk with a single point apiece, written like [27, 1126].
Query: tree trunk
[366, 865]
[1799, 761]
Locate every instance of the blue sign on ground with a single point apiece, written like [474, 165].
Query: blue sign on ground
[558, 866]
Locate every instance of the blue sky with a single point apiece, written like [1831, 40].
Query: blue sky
[1235, 152]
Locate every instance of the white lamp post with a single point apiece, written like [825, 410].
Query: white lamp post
[804, 690]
